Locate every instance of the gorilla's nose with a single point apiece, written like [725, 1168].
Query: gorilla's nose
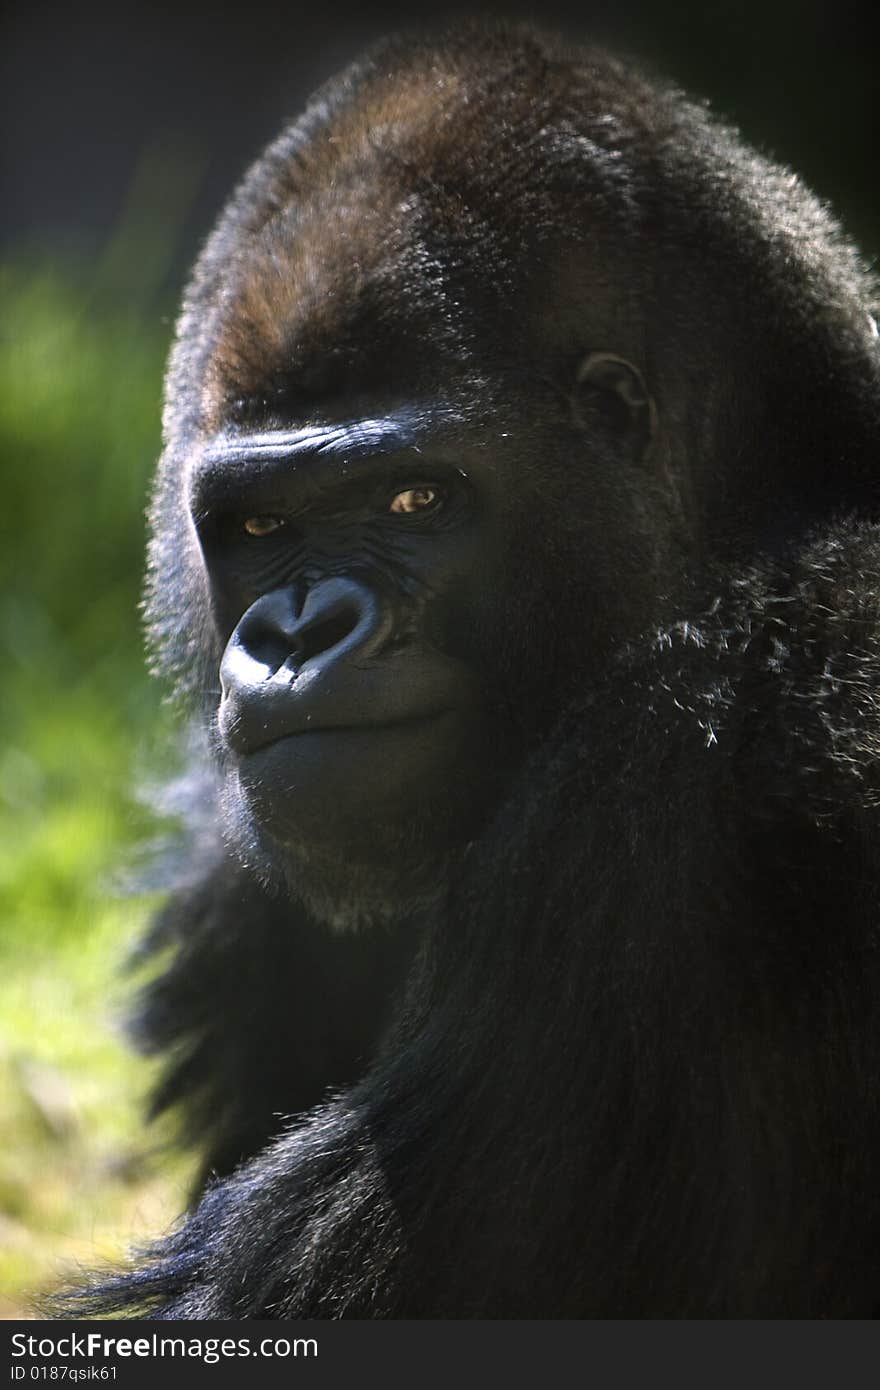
[338, 617]
[285, 665]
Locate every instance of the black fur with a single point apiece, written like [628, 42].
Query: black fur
[635, 1067]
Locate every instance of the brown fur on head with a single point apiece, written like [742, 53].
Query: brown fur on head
[429, 214]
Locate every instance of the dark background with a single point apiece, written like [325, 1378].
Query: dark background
[185, 95]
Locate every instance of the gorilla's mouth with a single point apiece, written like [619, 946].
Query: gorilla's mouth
[346, 784]
[250, 742]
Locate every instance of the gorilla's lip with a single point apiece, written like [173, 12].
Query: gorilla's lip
[246, 747]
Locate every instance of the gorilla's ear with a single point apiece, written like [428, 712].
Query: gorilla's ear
[610, 396]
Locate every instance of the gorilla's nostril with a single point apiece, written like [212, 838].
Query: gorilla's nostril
[323, 633]
[268, 647]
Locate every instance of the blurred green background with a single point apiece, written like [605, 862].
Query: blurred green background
[122, 137]
[81, 372]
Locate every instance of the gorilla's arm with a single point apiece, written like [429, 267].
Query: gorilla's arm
[255, 1009]
[687, 876]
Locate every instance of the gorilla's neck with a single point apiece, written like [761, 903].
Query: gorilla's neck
[646, 1017]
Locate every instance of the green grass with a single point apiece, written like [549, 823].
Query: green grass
[80, 367]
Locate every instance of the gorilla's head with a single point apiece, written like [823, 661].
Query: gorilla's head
[433, 420]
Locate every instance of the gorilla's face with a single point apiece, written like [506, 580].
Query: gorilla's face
[351, 569]
[390, 593]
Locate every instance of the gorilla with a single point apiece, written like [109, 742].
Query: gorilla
[515, 548]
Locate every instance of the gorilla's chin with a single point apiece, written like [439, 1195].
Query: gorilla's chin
[389, 869]
[359, 824]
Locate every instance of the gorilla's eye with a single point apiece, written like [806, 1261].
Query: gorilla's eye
[263, 525]
[416, 499]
